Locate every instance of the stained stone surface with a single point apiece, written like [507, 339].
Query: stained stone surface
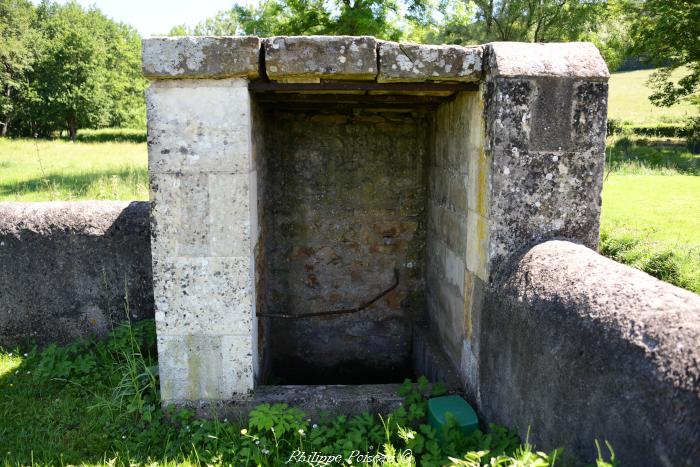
[201, 57]
[199, 142]
[417, 63]
[204, 367]
[547, 172]
[308, 59]
[65, 268]
[580, 60]
[197, 126]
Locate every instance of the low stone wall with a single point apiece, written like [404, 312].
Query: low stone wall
[65, 269]
[577, 347]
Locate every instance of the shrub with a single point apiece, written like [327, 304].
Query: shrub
[693, 135]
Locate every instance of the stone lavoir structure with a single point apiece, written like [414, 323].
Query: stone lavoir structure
[344, 210]
[330, 215]
[319, 201]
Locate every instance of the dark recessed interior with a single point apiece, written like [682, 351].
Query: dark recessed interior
[343, 196]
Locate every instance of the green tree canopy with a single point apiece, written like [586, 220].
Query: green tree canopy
[667, 33]
[67, 68]
[17, 55]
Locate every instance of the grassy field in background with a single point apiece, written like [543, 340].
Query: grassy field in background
[629, 100]
[41, 170]
[651, 208]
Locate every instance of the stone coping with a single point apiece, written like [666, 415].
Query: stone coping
[660, 321]
[313, 59]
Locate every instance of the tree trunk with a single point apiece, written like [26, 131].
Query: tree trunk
[3, 129]
[73, 131]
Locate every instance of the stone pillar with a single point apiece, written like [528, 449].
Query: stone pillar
[202, 193]
[540, 173]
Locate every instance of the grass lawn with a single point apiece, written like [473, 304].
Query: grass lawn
[629, 100]
[664, 206]
[44, 170]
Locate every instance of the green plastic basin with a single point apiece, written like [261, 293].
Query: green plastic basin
[463, 413]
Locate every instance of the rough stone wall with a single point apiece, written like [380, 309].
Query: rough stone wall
[539, 172]
[66, 268]
[577, 347]
[345, 204]
[545, 117]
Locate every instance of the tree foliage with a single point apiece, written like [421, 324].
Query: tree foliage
[667, 33]
[17, 55]
[67, 68]
[64, 67]
[305, 17]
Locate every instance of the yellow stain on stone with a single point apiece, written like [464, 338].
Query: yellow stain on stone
[482, 183]
[468, 304]
[478, 200]
[193, 370]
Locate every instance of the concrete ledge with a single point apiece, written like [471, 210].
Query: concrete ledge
[65, 269]
[308, 59]
[418, 63]
[201, 57]
[314, 400]
[571, 59]
[578, 347]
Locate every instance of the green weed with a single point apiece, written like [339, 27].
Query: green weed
[678, 265]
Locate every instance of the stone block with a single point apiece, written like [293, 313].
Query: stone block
[454, 271]
[590, 115]
[201, 57]
[200, 215]
[545, 195]
[573, 59]
[198, 126]
[165, 194]
[193, 224]
[201, 368]
[457, 189]
[308, 59]
[203, 296]
[454, 230]
[551, 114]
[229, 215]
[418, 63]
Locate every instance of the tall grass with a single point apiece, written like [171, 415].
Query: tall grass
[650, 216]
[43, 170]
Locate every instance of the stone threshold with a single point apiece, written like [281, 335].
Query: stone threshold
[315, 401]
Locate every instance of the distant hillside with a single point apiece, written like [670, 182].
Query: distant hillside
[629, 100]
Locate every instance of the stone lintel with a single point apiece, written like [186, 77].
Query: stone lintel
[201, 57]
[417, 63]
[580, 60]
[308, 59]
